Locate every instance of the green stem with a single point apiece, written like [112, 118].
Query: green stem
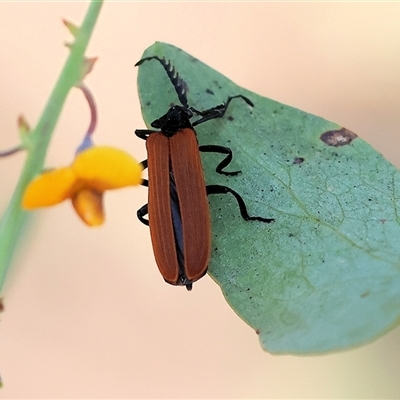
[14, 217]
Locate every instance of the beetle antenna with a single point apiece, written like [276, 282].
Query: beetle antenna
[179, 84]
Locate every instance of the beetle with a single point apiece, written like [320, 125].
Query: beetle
[177, 209]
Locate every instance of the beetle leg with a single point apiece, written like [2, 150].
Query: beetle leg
[217, 111]
[143, 210]
[211, 148]
[143, 133]
[145, 182]
[218, 189]
[141, 213]
[144, 164]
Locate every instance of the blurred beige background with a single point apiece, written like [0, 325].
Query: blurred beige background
[87, 313]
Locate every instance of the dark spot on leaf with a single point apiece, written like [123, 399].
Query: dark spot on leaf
[337, 138]
[217, 83]
[209, 91]
[1, 305]
[258, 331]
[148, 103]
[298, 160]
[230, 118]
[365, 294]
[382, 220]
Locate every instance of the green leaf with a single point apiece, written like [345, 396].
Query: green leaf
[325, 275]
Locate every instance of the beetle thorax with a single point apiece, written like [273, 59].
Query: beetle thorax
[176, 118]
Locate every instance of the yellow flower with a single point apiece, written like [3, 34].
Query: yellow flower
[93, 171]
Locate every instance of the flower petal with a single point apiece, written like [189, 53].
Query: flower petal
[104, 168]
[49, 188]
[88, 205]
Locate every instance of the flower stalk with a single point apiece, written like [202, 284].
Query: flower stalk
[14, 218]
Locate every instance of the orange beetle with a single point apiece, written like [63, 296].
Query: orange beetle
[179, 217]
